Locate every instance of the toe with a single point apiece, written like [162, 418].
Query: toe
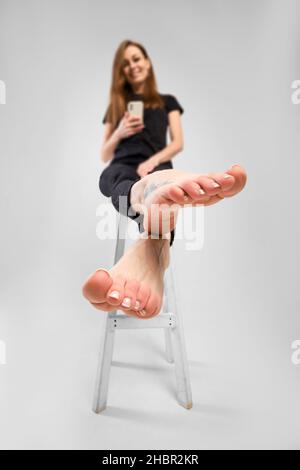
[193, 189]
[240, 178]
[130, 292]
[115, 294]
[208, 185]
[96, 286]
[225, 180]
[176, 194]
[238, 174]
[104, 306]
[153, 305]
[142, 296]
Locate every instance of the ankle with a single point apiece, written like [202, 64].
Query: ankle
[159, 249]
[162, 250]
[136, 193]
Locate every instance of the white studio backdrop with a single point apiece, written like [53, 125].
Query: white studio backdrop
[231, 64]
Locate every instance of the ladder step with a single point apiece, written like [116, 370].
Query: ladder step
[123, 321]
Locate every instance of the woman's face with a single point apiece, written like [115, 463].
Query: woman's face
[135, 67]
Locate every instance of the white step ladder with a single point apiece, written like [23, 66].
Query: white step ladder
[169, 319]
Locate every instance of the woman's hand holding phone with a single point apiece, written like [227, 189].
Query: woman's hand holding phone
[128, 126]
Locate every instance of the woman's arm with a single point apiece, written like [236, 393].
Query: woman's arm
[109, 143]
[176, 136]
[166, 154]
[128, 126]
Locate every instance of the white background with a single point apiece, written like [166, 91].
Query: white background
[231, 65]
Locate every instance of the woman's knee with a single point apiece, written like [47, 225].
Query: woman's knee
[104, 183]
[107, 179]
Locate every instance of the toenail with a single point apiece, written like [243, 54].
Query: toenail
[137, 305]
[201, 191]
[114, 294]
[227, 176]
[126, 302]
[142, 313]
[215, 185]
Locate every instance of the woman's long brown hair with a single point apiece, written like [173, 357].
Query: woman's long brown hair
[121, 90]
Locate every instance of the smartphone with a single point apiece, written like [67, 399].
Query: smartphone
[136, 108]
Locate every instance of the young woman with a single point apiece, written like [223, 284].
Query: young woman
[142, 184]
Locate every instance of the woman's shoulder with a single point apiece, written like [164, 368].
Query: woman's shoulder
[171, 102]
[166, 96]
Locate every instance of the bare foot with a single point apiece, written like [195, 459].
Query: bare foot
[159, 195]
[135, 283]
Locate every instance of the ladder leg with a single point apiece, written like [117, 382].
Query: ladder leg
[106, 353]
[169, 350]
[120, 245]
[167, 333]
[102, 379]
[184, 392]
